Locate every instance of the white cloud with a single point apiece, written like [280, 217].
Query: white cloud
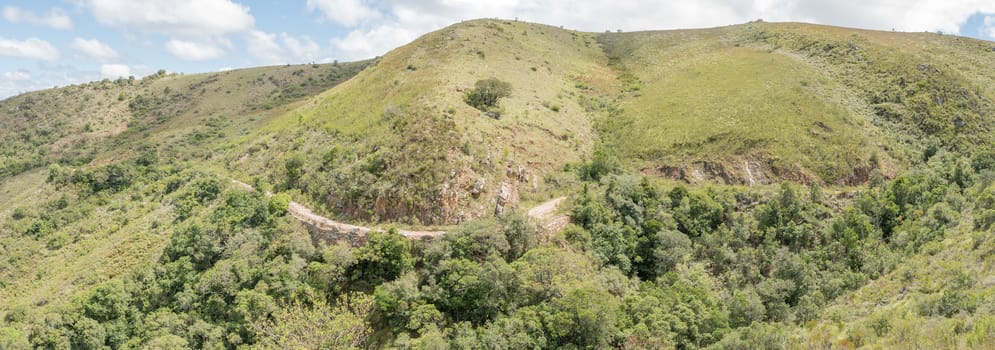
[185, 18]
[913, 15]
[32, 48]
[271, 49]
[47, 76]
[989, 27]
[55, 17]
[366, 43]
[17, 76]
[114, 71]
[264, 47]
[194, 51]
[303, 48]
[374, 31]
[95, 49]
[348, 13]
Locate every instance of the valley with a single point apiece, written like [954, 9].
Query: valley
[502, 184]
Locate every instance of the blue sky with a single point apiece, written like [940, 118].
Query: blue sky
[60, 42]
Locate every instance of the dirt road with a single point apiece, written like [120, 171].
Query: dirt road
[545, 213]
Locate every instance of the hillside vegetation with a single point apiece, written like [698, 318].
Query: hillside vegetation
[756, 103]
[176, 114]
[398, 142]
[757, 186]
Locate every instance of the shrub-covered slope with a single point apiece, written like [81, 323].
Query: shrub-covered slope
[181, 115]
[763, 102]
[399, 143]
[746, 104]
[121, 228]
[59, 239]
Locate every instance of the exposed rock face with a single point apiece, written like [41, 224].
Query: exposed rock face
[469, 190]
[518, 172]
[751, 172]
[478, 187]
[504, 198]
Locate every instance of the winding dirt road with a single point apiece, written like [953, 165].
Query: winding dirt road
[545, 213]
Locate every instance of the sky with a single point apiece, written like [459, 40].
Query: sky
[47, 43]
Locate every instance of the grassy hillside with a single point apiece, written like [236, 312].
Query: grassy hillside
[57, 241]
[930, 85]
[398, 143]
[746, 104]
[769, 101]
[175, 114]
[764, 185]
[724, 112]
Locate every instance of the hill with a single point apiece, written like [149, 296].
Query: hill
[757, 103]
[56, 243]
[102, 120]
[762, 185]
[402, 145]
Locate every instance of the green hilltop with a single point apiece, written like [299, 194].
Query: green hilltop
[755, 103]
[761, 185]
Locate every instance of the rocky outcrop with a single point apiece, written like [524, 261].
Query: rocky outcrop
[749, 171]
[327, 230]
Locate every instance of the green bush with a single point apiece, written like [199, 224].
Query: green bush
[487, 93]
[278, 204]
[745, 307]
[948, 303]
[385, 257]
[756, 336]
[294, 166]
[603, 162]
[11, 338]
[19, 213]
[984, 217]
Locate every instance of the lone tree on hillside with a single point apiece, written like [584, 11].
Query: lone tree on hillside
[485, 95]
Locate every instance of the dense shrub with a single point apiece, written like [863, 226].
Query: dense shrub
[603, 162]
[643, 265]
[486, 94]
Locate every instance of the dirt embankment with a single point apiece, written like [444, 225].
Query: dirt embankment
[325, 229]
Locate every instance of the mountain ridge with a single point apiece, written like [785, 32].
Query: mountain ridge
[762, 185]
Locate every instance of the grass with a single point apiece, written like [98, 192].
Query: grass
[405, 138]
[183, 119]
[732, 106]
[921, 86]
[899, 309]
[691, 104]
[105, 237]
[392, 140]
[103, 120]
[701, 105]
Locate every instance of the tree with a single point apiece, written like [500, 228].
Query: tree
[745, 307]
[318, 325]
[697, 213]
[584, 317]
[385, 257]
[294, 166]
[474, 292]
[784, 216]
[603, 162]
[670, 248]
[486, 94]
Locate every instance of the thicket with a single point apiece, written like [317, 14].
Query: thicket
[642, 266]
[926, 98]
[486, 94]
[349, 175]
